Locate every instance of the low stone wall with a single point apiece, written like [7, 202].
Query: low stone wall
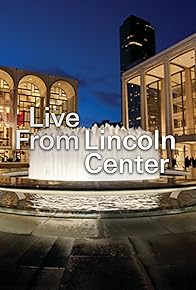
[10, 165]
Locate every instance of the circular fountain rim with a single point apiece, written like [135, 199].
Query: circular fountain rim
[19, 181]
[21, 186]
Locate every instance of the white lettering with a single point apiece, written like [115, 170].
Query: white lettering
[19, 138]
[87, 141]
[87, 163]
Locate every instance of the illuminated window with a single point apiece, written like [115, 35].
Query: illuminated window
[149, 26]
[133, 43]
[28, 96]
[130, 36]
[5, 133]
[58, 100]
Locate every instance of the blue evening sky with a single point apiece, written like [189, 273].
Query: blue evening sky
[81, 39]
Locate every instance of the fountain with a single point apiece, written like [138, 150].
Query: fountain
[59, 181]
[65, 162]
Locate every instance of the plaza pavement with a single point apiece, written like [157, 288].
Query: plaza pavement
[98, 254]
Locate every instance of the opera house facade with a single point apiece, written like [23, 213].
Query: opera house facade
[20, 90]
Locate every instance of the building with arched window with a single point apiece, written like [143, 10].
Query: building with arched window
[20, 90]
[168, 96]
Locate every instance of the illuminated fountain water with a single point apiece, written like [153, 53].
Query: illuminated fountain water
[58, 183]
[68, 165]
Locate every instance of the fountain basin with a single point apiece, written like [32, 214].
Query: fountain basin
[22, 195]
[22, 181]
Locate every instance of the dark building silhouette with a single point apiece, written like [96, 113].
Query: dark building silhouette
[137, 43]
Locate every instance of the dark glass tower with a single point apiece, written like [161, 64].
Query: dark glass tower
[137, 43]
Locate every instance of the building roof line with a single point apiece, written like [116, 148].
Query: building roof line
[161, 54]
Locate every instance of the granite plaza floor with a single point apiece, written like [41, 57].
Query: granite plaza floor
[98, 254]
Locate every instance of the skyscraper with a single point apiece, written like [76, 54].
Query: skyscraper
[137, 43]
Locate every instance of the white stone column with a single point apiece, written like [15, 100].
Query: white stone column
[189, 102]
[143, 102]
[125, 114]
[162, 107]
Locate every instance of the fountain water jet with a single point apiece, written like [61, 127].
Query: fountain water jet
[68, 165]
[58, 180]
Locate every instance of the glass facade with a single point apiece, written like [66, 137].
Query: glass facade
[28, 96]
[153, 101]
[134, 105]
[133, 90]
[179, 102]
[58, 100]
[168, 93]
[193, 85]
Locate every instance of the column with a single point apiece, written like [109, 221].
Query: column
[125, 115]
[48, 97]
[168, 107]
[13, 121]
[189, 102]
[143, 102]
[163, 114]
[42, 108]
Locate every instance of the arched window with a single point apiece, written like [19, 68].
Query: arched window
[4, 102]
[6, 108]
[58, 100]
[62, 97]
[31, 93]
